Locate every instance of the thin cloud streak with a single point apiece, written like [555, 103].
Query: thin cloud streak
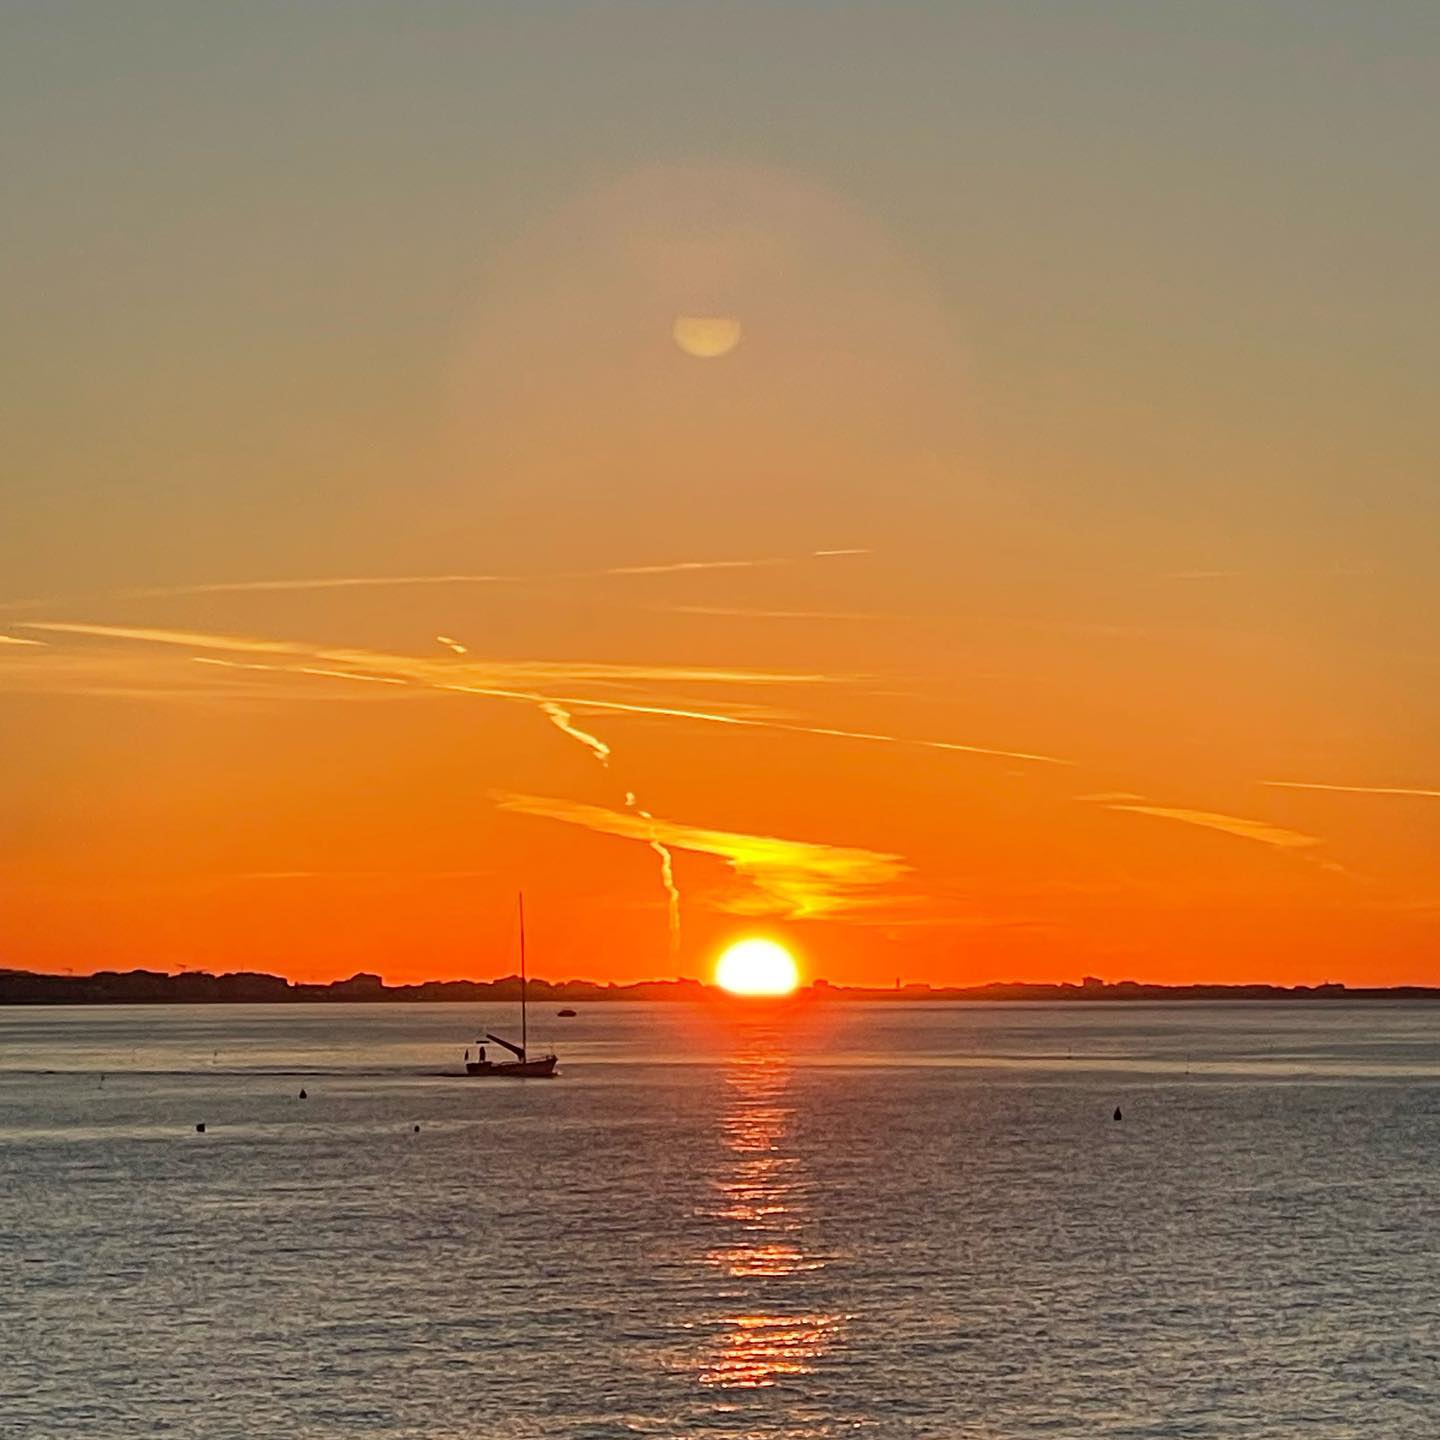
[393, 875]
[798, 879]
[424, 668]
[581, 702]
[1354, 789]
[339, 582]
[741, 613]
[951, 745]
[297, 670]
[1258, 830]
[353, 582]
[242, 644]
[440, 675]
[676, 567]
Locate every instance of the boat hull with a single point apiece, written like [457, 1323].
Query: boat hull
[541, 1069]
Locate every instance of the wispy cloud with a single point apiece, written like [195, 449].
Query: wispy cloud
[177, 678]
[327, 582]
[532, 682]
[358, 582]
[1323, 571]
[675, 567]
[741, 612]
[422, 668]
[1354, 789]
[241, 644]
[398, 876]
[18, 640]
[877, 738]
[796, 878]
[297, 670]
[1258, 830]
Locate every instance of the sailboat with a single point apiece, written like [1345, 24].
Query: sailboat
[523, 1066]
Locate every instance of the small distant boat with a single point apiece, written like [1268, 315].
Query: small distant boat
[566, 1014]
[522, 1067]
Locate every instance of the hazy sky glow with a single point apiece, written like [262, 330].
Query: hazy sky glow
[952, 485]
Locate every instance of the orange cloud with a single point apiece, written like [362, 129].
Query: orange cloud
[800, 879]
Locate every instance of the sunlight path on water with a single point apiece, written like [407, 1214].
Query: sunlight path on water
[764, 1194]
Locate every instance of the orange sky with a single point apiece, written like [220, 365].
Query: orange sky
[1029, 578]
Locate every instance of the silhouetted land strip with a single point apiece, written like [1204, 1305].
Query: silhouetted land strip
[151, 987]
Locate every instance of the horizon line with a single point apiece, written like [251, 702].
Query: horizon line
[368, 983]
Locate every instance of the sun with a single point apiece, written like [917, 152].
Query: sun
[757, 967]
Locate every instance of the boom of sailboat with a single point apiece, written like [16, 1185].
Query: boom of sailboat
[523, 1066]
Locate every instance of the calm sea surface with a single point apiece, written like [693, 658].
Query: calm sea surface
[892, 1220]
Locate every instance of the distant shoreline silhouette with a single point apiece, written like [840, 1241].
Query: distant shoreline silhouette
[151, 987]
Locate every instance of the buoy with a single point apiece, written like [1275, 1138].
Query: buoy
[417, 1130]
[1118, 1115]
[303, 1095]
[200, 1128]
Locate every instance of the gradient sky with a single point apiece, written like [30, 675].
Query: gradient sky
[1105, 334]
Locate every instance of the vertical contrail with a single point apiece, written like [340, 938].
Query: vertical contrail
[667, 871]
[562, 720]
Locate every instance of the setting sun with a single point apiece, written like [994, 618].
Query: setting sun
[757, 967]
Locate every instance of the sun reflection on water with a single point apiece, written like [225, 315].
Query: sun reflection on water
[763, 1196]
[759, 1349]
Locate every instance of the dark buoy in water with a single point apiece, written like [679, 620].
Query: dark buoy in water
[200, 1128]
[303, 1095]
[417, 1130]
[1117, 1115]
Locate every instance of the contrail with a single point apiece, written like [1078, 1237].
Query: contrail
[562, 720]
[1246, 829]
[354, 582]
[1353, 789]
[559, 717]
[299, 670]
[622, 707]
[338, 582]
[667, 870]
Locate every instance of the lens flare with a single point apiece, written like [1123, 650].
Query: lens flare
[757, 967]
[706, 337]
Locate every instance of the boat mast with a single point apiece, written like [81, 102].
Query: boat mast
[523, 1037]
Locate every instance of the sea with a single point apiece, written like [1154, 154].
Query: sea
[979, 1221]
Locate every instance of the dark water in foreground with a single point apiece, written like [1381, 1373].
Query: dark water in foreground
[889, 1221]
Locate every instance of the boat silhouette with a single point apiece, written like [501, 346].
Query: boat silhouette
[523, 1066]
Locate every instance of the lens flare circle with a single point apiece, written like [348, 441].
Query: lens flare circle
[706, 337]
[757, 967]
